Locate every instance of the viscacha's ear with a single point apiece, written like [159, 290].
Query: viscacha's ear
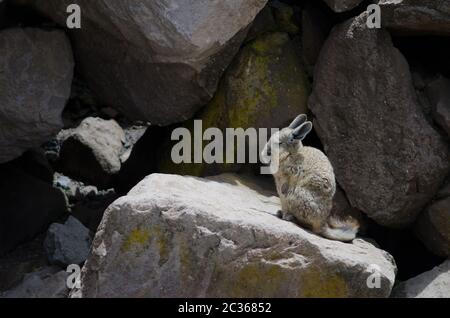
[300, 119]
[301, 132]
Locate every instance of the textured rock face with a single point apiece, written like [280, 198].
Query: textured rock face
[36, 68]
[265, 87]
[222, 240]
[67, 243]
[433, 227]
[416, 16]
[151, 59]
[91, 152]
[29, 205]
[387, 158]
[342, 5]
[45, 283]
[432, 284]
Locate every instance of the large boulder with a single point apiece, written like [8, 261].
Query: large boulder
[387, 157]
[29, 205]
[265, 87]
[416, 16]
[37, 68]
[342, 5]
[175, 236]
[151, 59]
[431, 284]
[91, 152]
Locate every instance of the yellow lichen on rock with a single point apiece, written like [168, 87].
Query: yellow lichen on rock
[137, 238]
[319, 283]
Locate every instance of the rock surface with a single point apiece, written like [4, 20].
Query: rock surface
[416, 16]
[221, 240]
[433, 227]
[67, 243]
[151, 59]
[29, 205]
[342, 5]
[91, 152]
[48, 282]
[432, 284]
[23, 260]
[387, 158]
[37, 69]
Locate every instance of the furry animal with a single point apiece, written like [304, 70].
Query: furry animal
[305, 182]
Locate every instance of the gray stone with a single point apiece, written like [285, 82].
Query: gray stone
[91, 152]
[387, 157]
[418, 17]
[48, 282]
[431, 284]
[132, 136]
[151, 59]
[342, 5]
[37, 69]
[175, 236]
[67, 243]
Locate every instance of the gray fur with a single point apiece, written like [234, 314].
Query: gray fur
[305, 182]
[298, 121]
